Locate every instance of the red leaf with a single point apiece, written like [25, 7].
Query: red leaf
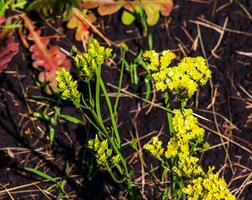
[8, 52]
[50, 59]
[2, 19]
[166, 8]
[108, 9]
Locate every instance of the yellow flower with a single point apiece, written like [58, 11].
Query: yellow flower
[155, 148]
[182, 79]
[208, 187]
[68, 87]
[153, 59]
[172, 149]
[116, 159]
[166, 58]
[103, 152]
[186, 132]
[88, 62]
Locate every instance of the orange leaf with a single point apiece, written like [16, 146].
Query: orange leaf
[8, 52]
[89, 5]
[50, 59]
[166, 8]
[108, 9]
[152, 8]
[2, 19]
[105, 7]
[82, 29]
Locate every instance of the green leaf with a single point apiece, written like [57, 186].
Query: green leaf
[133, 143]
[11, 26]
[38, 115]
[3, 7]
[206, 145]
[19, 4]
[165, 194]
[152, 13]
[127, 18]
[40, 173]
[51, 134]
[72, 119]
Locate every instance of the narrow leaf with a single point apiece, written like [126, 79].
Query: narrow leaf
[72, 119]
[40, 173]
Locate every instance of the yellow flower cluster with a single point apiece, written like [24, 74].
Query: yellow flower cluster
[182, 79]
[186, 125]
[88, 62]
[103, 152]
[186, 131]
[68, 87]
[155, 148]
[208, 187]
[187, 165]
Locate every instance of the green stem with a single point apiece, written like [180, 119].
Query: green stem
[183, 103]
[116, 146]
[120, 84]
[169, 113]
[113, 176]
[97, 93]
[89, 91]
[112, 116]
[97, 115]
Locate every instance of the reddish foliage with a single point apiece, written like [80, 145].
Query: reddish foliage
[2, 19]
[82, 29]
[151, 7]
[8, 52]
[9, 48]
[48, 58]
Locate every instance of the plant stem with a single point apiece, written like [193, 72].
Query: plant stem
[120, 84]
[169, 113]
[112, 116]
[116, 146]
[97, 93]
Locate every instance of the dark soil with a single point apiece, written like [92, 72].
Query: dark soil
[226, 102]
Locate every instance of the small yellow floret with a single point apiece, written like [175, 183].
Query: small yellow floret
[155, 148]
[88, 62]
[103, 152]
[68, 87]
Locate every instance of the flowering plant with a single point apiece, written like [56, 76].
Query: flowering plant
[187, 137]
[178, 157]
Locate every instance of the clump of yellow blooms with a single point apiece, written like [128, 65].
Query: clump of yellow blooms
[68, 87]
[182, 79]
[103, 152]
[88, 62]
[155, 148]
[208, 187]
[186, 126]
[186, 131]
